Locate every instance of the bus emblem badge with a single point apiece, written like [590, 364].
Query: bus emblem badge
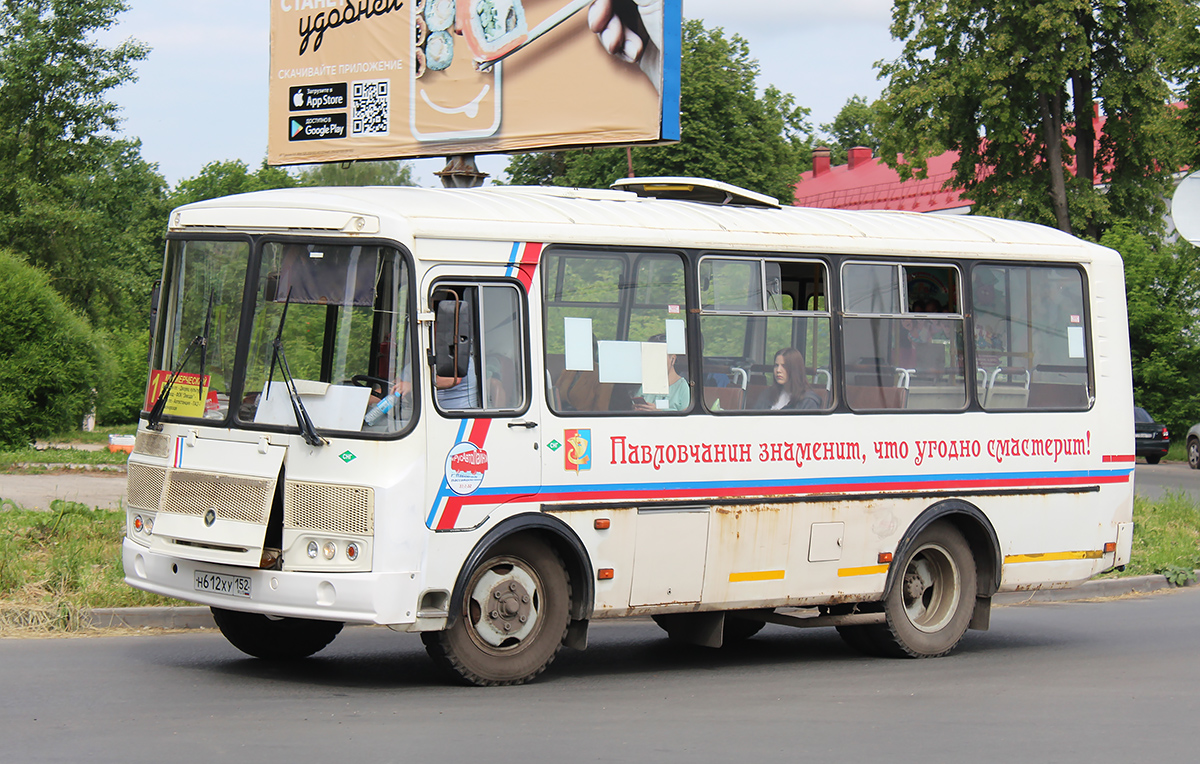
[578, 455]
[466, 465]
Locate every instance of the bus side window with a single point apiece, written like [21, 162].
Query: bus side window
[765, 331]
[903, 337]
[1030, 341]
[615, 332]
[479, 352]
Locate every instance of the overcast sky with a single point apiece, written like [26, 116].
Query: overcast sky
[201, 95]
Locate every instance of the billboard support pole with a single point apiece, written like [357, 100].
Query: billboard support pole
[461, 172]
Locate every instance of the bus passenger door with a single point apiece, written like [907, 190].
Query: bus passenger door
[483, 423]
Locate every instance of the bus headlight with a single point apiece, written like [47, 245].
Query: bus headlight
[312, 550]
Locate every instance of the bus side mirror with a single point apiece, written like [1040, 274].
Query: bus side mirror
[452, 338]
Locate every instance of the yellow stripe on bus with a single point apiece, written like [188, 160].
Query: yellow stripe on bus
[756, 575]
[1090, 554]
[866, 570]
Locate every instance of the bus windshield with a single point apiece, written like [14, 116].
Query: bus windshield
[339, 312]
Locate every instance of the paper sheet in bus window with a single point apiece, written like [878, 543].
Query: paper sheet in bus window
[577, 333]
[676, 339]
[654, 368]
[1075, 342]
[621, 362]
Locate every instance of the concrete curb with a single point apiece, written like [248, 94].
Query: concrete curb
[193, 617]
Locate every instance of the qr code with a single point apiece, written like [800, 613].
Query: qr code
[369, 105]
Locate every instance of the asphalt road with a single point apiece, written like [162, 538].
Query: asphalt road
[1152, 480]
[36, 491]
[1106, 681]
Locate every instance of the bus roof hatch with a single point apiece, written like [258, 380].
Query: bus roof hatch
[695, 190]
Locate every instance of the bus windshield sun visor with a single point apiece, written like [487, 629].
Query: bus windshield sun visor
[307, 429]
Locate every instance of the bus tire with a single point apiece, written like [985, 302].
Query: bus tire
[863, 639]
[930, 604]
[274, 639]
[514, 617]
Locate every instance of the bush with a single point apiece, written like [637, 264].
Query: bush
[48, 357]
[122, 387]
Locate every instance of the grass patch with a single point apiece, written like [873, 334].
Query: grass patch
[98, 437]
[51, 458]
[55, 565]
[1177, 452]
[1166, 536]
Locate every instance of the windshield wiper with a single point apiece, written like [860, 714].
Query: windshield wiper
[154, 421]
[307, 430]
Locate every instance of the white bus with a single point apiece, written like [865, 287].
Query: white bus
[491, 416]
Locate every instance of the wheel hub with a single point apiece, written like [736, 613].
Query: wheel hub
[506, 598]
[930, 588]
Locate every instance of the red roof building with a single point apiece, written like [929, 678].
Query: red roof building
[866, 183]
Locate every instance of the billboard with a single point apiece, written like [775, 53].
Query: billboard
[381, 79]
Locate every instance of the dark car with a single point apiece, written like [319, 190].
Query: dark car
[1151, 439]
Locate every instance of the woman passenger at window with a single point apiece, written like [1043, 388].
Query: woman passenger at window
[790, 390]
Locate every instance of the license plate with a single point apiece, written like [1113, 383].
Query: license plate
[220, 583]
[1144, 435]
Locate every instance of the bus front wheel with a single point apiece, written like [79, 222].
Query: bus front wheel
[930, 604]
[513, 618]
[274, 639]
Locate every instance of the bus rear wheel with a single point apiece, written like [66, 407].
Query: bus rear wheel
[931, 602]
[514, 616]
[274, 639]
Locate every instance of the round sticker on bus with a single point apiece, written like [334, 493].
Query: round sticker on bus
[466, 464]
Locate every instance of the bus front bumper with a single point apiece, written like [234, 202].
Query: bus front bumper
[380, 598]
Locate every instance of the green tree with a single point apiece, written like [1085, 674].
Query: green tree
[230, 177]
[48, 357]
[1163, 286]
[74, 199]
[727, 131]
[1006, 85]
[385, 173]
[853, 126]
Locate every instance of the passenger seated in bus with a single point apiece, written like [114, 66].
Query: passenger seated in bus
[790, 389]
[458, 392]
[678, 396]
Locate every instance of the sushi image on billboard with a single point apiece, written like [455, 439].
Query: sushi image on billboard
[442, 77]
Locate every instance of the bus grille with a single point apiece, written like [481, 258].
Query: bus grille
[247, 500]
[234, 498]
[145, 485]
[332, 508]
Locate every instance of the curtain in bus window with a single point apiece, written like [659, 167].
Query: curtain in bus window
[322, 274]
